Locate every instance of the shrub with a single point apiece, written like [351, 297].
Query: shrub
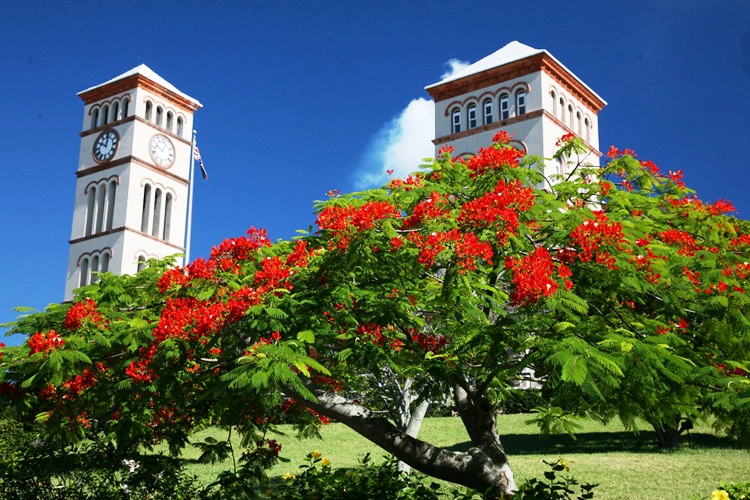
[522, 400]
[554, 486]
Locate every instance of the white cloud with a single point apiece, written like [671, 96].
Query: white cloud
[404, 142]
[400, 145]
[454, 66]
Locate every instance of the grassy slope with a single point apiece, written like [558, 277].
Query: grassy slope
[626, 465]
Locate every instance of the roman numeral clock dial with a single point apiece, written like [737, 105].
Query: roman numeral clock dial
[161, 150]
[105, 146]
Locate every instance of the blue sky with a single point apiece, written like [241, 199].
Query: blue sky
[305, 96]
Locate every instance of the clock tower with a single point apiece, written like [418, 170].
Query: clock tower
[133, 176]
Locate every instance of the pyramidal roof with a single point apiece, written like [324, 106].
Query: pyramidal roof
[147, 72]
[514, 51]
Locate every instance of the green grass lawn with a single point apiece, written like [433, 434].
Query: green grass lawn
[626, 465]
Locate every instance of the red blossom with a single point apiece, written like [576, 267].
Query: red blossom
[504, 203]
[682, 239]
[80, 312]
[41, 342]
[502, 137]
[594, 234]
[490, 159]
[407, 184]
[532, 277]
[242, 248]
[676, 177]
[445, 149]
[565, 139]
[432, 208]
[650, 166]
[346, 221]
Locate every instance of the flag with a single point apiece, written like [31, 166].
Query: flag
[197, 157]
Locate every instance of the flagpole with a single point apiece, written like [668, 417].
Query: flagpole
[191, 178]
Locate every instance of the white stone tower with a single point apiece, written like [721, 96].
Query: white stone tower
[133, 175]
[524, 91]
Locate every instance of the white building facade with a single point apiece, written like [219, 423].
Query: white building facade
[524, 91]
[133, 175]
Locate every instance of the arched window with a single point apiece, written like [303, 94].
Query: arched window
[170, 117]
[588, 128]
[101, 202]
[562, 110]
[159, 113]
[83, 279]
[472, 115]
[105, 114]
[504, 107]
[146, 208]
[157, 213]
[487, 106]
[105, 262]
[579, 123]
[149, 108]
[115, 111]
[179, 126]
[141, 263]
[90, 211]
[167, 216]
[125, 105]
[456, 121]
[111, 190]
[554, 102]
[95, 118]
[94, 269]
[520, 102]
[570, 116]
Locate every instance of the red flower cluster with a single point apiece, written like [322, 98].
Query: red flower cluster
[432, 208]
[242, 248]
[445, 149]
[504, 203]
[676, 177]
[430, 343]
[79, 383]
[410, 182]
[565, 139]
[271, 445]
[682, 239]
[343, 221]
[591, 235]
[179, 277]
[741, 240]
[2, 346]
[139, 369]
[491, 159]
[502, 137]
[81, 312]
[377, 335]
[467, 247]
[532, 276]
[40, 342]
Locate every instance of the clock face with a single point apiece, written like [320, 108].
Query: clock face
[162, 150]
[105, 146]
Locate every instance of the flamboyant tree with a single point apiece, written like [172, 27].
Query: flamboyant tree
[624, 291]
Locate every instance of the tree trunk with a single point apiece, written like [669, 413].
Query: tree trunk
[667, 437]
[412, 428]
[484, 467]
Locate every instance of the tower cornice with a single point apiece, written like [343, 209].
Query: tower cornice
[517, 69]
[138, 81]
